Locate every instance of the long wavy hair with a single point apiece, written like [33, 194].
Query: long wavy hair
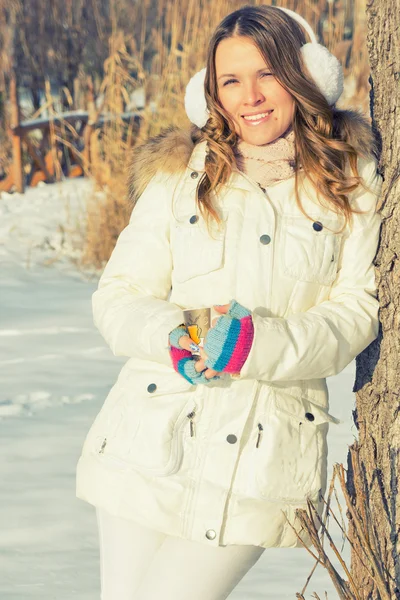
[321, 132]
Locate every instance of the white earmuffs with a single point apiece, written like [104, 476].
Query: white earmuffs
[324, 68]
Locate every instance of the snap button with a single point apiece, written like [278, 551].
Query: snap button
[151, 388]
[231, 438]
[210, 534]
[317, 226]
[265, 239]
[310, 416]
[194, 219]
[194, 174]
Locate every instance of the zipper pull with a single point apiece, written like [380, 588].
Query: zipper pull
[260, 430]
[103, 445]
[190, 416]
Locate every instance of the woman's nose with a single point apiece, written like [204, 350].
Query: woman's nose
[253, 95]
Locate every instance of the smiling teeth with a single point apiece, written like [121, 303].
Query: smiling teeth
[257, 117]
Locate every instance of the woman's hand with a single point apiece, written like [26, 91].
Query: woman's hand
[184, 363]
[187, 343]
[228, 343]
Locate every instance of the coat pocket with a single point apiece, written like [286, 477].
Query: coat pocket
[149, 427]
[310, 249]
[195, 252]
[107, 420]
[291, 453]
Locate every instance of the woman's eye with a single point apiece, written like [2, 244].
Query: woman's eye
[228, 81]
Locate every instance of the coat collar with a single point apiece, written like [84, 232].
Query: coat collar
[237, 179]
[174, 149]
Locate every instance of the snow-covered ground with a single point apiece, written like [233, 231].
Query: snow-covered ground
[56, 371]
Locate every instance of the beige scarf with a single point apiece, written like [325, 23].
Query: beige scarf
[269, 163]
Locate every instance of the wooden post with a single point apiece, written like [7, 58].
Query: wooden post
[16, 139]
[92, 116]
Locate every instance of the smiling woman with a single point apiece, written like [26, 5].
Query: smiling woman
[196, 466]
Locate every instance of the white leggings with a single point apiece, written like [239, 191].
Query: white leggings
[137, 563]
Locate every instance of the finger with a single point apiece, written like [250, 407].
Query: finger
[200, 365]
[203, 355]
[211, 373]
[185, 341]
[223, 308]
[208, 373]
[214, 321]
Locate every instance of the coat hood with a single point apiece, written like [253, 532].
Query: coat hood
[170, 151]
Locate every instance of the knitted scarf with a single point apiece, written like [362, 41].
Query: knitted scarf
[269, 163]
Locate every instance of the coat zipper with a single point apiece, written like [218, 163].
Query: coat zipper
[259, 436]
[259, 425]
[191, 416]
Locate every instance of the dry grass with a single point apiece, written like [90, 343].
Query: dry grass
[362, 539]
[109, 146]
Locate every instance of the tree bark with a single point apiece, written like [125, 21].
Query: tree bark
[374, 481]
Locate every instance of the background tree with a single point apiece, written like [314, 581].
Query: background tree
[374, 466]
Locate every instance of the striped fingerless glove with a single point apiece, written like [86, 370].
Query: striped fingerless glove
[183, 361]
[229, 342]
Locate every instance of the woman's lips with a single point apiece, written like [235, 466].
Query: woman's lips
[254, 120]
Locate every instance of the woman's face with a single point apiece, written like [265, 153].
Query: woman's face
[247, 91]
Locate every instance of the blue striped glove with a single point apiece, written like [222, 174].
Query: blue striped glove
[229, 342]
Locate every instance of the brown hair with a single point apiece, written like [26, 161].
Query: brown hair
[322, 132]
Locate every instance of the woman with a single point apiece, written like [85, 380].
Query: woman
[267, 207]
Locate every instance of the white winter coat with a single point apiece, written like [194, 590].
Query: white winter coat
[228, 463]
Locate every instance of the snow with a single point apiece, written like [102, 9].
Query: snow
[56, 372]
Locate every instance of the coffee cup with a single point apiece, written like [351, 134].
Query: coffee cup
[198, 322]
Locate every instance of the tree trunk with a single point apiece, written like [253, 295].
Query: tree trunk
[372, 479]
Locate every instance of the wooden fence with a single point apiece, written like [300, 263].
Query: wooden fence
[48, 157]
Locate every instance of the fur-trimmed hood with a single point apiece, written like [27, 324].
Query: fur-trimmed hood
[171, 150]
